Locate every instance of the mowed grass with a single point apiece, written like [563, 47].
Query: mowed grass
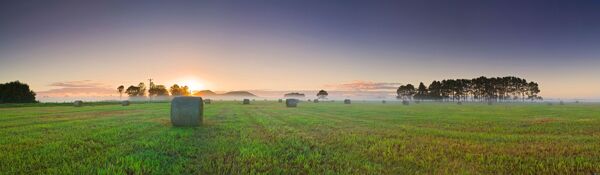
[322, 138]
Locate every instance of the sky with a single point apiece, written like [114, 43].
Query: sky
[90, 47]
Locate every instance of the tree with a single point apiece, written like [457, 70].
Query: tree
[322, 94]
[158, 90]
[175, 90]
[16, 92]
[185, 91]
[406, 92]
[422, 92]
[120, 89]
[132, 91]
[142, 89]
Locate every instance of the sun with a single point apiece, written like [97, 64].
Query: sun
[193, 84]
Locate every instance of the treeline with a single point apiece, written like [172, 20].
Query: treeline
[16, 92]
[478, 89]
[154, 90]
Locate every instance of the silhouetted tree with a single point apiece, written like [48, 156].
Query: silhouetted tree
[142, 90]
[121, 89]
[422, 92]
[406, 92]
[16, 92]
[132, 91]
[158, 90]
[175, 90]
[322, 94]
[481, 89]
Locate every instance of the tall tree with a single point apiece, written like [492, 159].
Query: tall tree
[421, 92]
[121, 89]
[142, 90]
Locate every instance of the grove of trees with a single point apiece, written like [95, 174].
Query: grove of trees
[478, 89]
[16, 92]
[155, 90]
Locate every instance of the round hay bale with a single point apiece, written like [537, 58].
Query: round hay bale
[561, 103]
[291, 103]
[577, 101]
[383, 101]
[187, 111]
[207, 101]
[459, 103]
[280, 101]
[316, 101]
[246, 101]
[78, 103]
[125, 103]
[347, 101]
[550, 104]
[309, 100]
[405, 102]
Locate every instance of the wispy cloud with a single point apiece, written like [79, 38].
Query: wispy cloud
[78, 88]
[77, 84]
[365, 86]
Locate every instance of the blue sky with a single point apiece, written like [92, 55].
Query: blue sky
[300, 45]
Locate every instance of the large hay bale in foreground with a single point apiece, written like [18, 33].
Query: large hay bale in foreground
[78, 103]
[347, 101]
[187, 111]
[291, 103]
[246, 101]
[125, 103]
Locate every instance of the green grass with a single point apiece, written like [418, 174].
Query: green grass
[323, 138]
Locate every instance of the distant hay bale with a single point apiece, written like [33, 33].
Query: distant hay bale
[309, 100]
[291, 102]
[383, 101]
[246, 101]
[490, 103]
[280, 101]
[187, 111]
[417, 102]
[207, 101]
[316, 101]
[459, 103]
[577, 101]
[78, 103]
[561, 103]
[550, 104]
[405, 102]
[347, 101]
[125, 103]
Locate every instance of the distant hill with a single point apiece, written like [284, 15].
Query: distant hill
[239, 93]
[294, 95]
[205, 93]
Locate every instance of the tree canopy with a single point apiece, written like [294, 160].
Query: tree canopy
[16, 92]
[480, 89]
[322, 94]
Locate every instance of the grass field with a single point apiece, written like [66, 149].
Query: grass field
[323, 138]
